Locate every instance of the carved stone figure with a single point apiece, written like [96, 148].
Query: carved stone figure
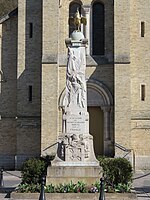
[75, 80]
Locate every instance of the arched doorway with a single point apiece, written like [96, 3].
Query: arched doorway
[100, 103]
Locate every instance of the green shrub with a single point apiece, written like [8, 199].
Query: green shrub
[32, 171]
[117, 173]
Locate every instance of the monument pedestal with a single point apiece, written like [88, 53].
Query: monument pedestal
[65, 174]
[75, 161]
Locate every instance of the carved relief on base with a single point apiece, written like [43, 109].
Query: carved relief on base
[75, 150]
[73, 147]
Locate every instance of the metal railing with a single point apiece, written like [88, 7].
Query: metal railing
[128, 151]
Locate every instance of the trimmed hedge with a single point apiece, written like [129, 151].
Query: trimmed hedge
[32, 171]
[117, 172]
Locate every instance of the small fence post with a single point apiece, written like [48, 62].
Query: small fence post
[102, 193]
[1, 179]
[42, 193]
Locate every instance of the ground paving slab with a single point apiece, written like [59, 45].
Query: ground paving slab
[11, 180]
[141, 184]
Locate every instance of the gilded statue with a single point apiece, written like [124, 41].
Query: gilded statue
[77, 20]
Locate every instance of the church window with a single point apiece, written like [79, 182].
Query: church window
[30, 93]
[98, 33]
[30, 30]
[72, 10]
[142, 29]
[142, 92]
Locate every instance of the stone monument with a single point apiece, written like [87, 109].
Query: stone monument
[75, 159]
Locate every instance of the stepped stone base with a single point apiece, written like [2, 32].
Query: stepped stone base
[66, 174]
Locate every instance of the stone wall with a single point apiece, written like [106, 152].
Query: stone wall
[122, 73]
[20, 67]
[140, 59]
[29, 74]
[50, 81]
[132, 114]
[8, 88]
[75, 196]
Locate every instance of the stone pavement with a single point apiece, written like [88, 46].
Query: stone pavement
[10, 179]
[141, 184]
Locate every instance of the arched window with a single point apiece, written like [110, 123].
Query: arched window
[72, 10]
[98, 33]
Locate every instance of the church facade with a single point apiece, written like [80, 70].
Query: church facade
[33, 59]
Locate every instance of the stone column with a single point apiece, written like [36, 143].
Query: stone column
[122, 63]
[50, 83]
[107, 138]
[106, 111]
[87, 9]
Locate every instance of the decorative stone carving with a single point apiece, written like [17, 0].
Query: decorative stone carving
[75, 81]
[75, 150]
[74, 147]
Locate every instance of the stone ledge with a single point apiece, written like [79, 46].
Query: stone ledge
[74, 196]
[66, 174]
[49, 59]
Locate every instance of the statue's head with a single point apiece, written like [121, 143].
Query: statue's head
[77, 14]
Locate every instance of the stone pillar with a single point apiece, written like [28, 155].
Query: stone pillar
[87, 9]
[107, 137]
[50, 73]
[106, 111]
[122, 71]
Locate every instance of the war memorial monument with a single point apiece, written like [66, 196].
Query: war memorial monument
[75, 159]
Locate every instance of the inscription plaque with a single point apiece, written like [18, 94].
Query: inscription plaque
[75, 124]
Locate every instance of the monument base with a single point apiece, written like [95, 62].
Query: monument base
[75, 150]
[65, 174]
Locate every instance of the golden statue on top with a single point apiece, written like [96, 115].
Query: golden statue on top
[77, 20]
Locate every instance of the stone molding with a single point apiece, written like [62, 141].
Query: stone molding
[49, 59]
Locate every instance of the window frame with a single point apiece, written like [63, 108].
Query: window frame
[91, 29]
